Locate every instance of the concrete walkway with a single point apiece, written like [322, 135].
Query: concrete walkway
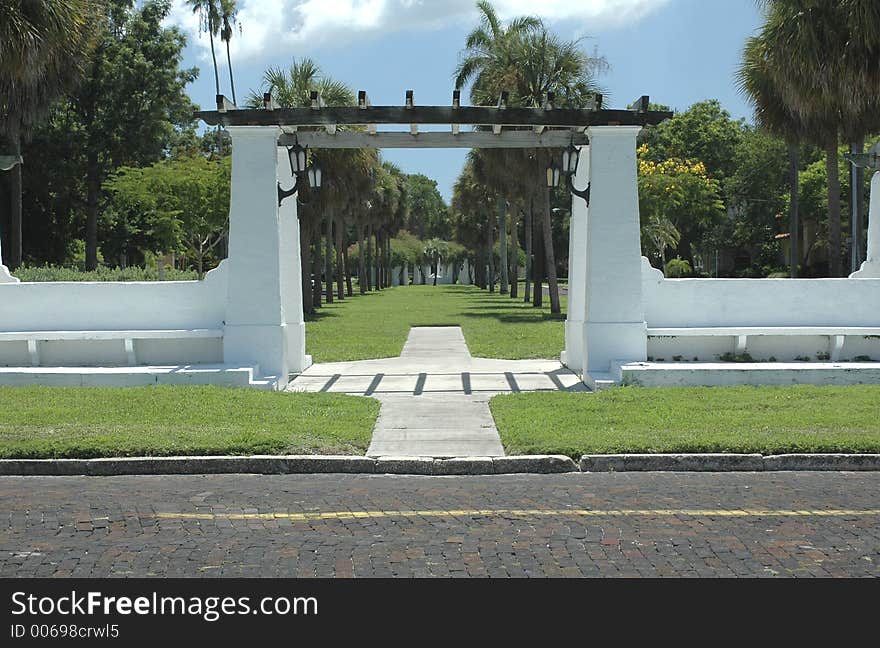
[435, 396]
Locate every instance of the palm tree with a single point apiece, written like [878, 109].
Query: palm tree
[229, 16]
[823, 59]
[529, 62]
[756, 83]
[44, 45]
[210, 20]
[293, 87]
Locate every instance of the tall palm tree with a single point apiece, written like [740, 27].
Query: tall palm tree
[823, 58]
[229, 16]
[292, 87]
[210, 20]
[771, 112]
[44, 45]
[528, 61]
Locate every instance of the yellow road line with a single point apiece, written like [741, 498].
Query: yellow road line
[524, 513]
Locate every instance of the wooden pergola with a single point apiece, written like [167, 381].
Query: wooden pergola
[500, 126]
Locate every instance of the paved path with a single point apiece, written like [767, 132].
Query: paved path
[625, 524]
[435, 396]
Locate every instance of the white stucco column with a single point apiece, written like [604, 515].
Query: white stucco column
[871, 267]
[256, 323]
[291, 272]
[614, 327]
[573, 354]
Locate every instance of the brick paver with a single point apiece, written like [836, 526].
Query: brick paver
[627, 524]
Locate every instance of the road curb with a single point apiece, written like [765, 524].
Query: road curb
[286, 465]
[729, 462]
[530, 464]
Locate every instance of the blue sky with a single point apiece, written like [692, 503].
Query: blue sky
[676, 51]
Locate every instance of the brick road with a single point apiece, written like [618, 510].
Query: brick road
[648, 524]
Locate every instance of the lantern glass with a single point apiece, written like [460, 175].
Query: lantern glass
[315, 177]
[570, 157]
[552, 176]
[298, 158]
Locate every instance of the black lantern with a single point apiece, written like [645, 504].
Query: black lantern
[570, 158]
[299, 159]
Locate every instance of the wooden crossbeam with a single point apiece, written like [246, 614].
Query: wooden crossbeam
[363, 104]
[456, 104]
[502, 105]
[397, 140]
[472, 115]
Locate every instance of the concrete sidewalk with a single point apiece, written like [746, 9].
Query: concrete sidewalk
[435, 396]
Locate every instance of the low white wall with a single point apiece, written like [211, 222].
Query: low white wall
[671, 303]
[759, 302]
[75, 306]
[112, 306]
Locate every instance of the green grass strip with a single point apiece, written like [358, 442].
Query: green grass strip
[75, 422]
[768, 420]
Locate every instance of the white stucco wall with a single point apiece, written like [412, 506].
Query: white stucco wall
[759, 302]
[72, 306]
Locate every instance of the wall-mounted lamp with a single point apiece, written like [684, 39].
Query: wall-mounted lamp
[570, 159]
[299, 166]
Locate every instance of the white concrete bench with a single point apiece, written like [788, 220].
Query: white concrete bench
[34, 338]
[837, 334]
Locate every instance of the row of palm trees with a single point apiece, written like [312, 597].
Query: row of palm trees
[813, 75]
[525, 59]
[361, 197]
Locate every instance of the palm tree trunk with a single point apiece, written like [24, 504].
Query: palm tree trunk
[317, 263]
[514, 256]
[369, 257]
[793, 213]
[502, 248]
[550, 257]
[362, 265]
[527, 297]
[305, 251]
[340, 263]
[328, 255]
[93, 188]
[834, 255]
[490, 252]
[538, 268]
[231, 78]
[348, 286]
[214, 58]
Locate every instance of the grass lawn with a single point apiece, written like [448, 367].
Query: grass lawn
[376, 325]
[766, 420]
[75, 422]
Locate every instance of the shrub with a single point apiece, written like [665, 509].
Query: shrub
[56, 273]
[678, 267]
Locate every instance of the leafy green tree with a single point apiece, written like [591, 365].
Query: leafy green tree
[43, 48]
[130, 107]
[704, 132]
[174, 206]
[428, 213]
[678, 196]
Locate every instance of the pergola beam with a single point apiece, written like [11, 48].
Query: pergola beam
[481, 139]
[427, 115]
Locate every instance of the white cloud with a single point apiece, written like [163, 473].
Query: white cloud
[279, 26]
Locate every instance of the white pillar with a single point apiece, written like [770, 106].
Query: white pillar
[417, 274]
[573, 354]
[395, 276]
[614, 328]
[871, 267]
[291, 271]
[256, 324]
